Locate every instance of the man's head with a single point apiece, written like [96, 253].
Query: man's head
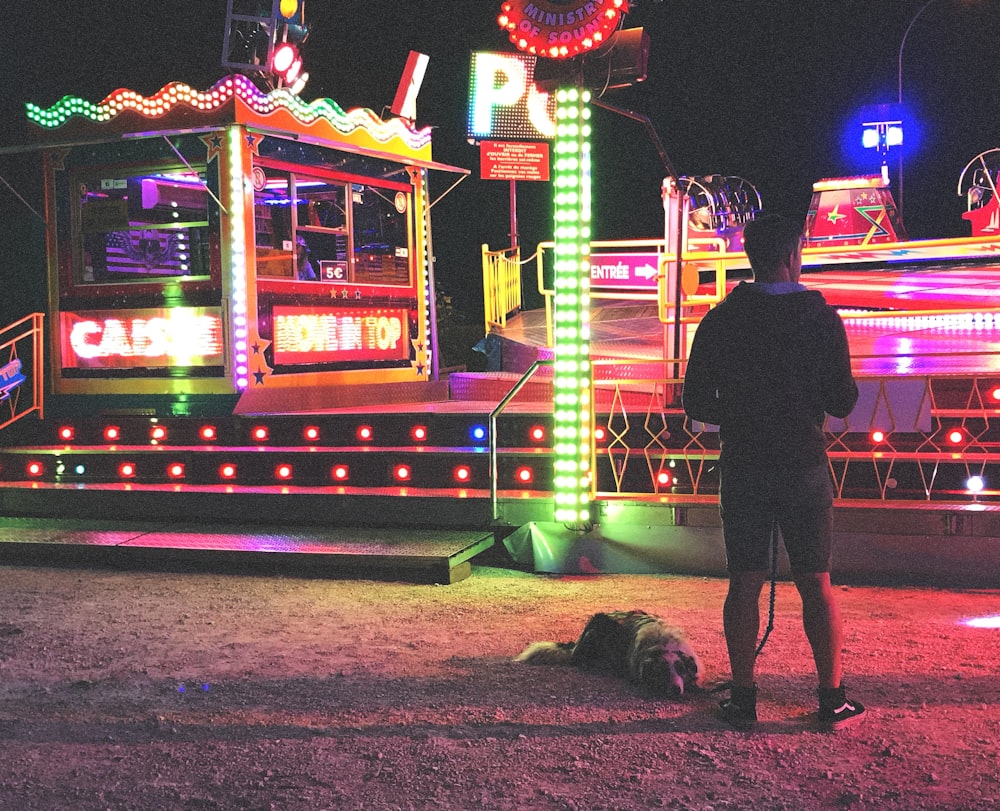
[774, 247]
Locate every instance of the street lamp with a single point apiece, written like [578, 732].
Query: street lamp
[899, 98]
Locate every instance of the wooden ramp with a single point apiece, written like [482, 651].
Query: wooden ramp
[411, 555]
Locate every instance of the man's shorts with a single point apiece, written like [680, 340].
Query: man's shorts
[755, 500]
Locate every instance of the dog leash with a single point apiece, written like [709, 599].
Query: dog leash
[774, 586]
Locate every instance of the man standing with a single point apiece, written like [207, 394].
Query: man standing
[766, 366]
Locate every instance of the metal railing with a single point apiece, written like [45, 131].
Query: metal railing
[912, 440]
[494, 415]
[501, 285]
[22, 369]
[712, 258]
[938, 442]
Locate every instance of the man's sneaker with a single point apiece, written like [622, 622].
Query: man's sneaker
[740, 709]
[836, 712]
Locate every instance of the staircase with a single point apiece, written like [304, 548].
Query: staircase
[399, 492]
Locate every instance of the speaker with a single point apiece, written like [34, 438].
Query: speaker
[620, 62]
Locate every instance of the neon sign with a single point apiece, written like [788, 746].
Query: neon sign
[560, 29]
[155, 338]
[504, 101]
[314, 335]
[10, 378]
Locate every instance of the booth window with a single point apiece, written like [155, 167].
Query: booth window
[141, 226]
[310, 228]
[381, 248]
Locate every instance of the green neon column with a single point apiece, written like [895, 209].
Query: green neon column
[572, 373]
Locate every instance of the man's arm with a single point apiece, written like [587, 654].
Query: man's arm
[700, 394]
[840, 392]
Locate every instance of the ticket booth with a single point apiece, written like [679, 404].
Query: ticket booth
[237, 250]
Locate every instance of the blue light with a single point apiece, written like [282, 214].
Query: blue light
[477, 433]
[881, 136]
[864, 153]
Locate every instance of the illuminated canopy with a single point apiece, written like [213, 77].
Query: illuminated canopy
[177, 99]
[859, 182]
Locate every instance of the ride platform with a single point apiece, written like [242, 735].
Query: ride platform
[403, 490]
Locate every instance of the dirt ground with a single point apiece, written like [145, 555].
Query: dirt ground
[138, 690]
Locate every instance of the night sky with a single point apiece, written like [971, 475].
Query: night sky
[769, 90]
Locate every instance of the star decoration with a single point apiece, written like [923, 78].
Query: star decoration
[253, 141]
[258, 377]
[58, 158]
[214, 142]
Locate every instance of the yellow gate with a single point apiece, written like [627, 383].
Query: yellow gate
[501, 285]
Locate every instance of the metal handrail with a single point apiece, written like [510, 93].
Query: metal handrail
[28, 328]
[710, 253]
[493, 427]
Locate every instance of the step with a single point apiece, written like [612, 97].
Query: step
[412, 555]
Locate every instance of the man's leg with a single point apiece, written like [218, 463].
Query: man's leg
[741, 623]
[823, 626]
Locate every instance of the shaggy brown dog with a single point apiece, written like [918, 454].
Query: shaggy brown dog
[634, 645]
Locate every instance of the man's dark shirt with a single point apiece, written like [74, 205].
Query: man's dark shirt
[767, 369]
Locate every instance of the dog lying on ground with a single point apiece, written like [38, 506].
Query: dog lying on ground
[633, 645]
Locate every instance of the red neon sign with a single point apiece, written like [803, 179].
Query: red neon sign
[560, 30]
[329, 335]
[153, 338]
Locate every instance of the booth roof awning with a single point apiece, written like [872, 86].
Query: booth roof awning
[68, 144]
